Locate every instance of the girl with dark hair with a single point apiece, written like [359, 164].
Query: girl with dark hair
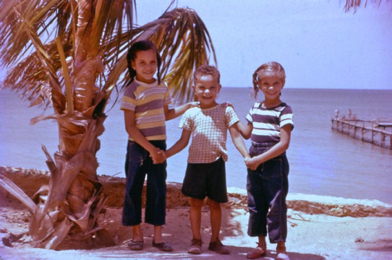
[146, 108]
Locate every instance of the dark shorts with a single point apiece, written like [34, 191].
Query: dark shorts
[206, 179]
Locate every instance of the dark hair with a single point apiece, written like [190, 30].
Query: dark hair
[206, 70]
[131, 56]
[272, 66]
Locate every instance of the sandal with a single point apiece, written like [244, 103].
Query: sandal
[195, 247]
[164, 246]
[218, 247]
[259, 251]
[281, 253]
[135, 245]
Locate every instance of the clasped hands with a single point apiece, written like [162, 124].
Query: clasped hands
[251, 163]
[158, 156]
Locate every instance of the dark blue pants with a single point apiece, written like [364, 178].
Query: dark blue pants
[267, 188]
[139, 163]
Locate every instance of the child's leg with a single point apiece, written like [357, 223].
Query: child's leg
[135, 173]
[137, 233]
[276, 192]
[259, 251]
[281, 253]
[281, 245]
[217, 194]
[195, 217]
[158, 234]
[137, 238]
[158, 242]
[216, 219]
[155, 213]
[262, 240]
[257, 204]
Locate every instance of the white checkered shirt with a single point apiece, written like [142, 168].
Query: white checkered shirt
[209, 132]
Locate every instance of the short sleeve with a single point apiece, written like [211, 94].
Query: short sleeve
[186, 122]
[128, 101]
[249, 117]
[167, 99]
[231, 117]
[286, 117]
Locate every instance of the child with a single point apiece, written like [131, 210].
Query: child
[145, 104]
[269, 127]
[205, 173]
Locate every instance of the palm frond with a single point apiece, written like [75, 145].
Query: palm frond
[355, 4]
[185, 46]
[57, 97]
[51, 19]
[15, 43]
[184, 43]
[67, 79]
[180, 35]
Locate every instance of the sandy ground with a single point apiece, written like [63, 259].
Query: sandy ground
[319, 228]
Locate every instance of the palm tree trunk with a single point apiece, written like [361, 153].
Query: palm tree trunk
[75, 194]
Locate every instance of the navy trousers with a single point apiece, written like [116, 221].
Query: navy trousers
[138, 164]
[267, 188]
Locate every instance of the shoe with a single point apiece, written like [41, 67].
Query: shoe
[195, 247]
[218, 247]
[164, 246]
[259, 251]
[281, 254]
[135, 245]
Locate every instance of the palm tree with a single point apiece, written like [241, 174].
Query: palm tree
[70, 56]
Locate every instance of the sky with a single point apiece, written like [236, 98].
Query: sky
[318, 44]
[316, 41]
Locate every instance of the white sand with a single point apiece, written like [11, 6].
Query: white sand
[319, 228]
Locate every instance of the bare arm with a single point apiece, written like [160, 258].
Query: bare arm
[238, 142]
[177, 111]
[138, 137]
[278, 149]
[180, 144]
[245, 130]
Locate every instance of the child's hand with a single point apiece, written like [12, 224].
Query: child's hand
[158, 156]
[252, 163]
[163, 155]
[194, 104]
[228, 104]
[246, 159]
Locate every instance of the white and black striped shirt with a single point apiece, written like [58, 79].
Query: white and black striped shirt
[267, 122]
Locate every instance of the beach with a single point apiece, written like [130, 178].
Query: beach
[319, 227]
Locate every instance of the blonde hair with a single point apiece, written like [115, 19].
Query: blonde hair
[271, 66]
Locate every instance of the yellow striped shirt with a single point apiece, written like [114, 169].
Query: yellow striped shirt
[147, 101]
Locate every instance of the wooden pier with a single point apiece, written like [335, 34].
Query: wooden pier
[377, 131]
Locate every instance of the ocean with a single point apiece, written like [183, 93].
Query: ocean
[322, 161]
